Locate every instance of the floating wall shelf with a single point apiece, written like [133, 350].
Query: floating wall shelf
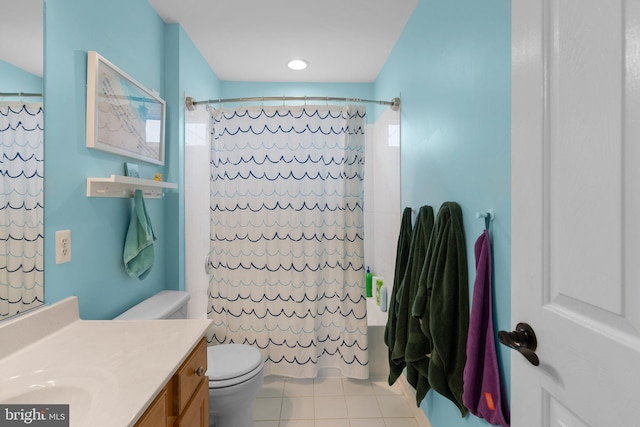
[125, 186]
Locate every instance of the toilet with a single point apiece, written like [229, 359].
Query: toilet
[235, 371]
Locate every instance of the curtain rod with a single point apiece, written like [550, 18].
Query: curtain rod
[191, 104]
[19, 94]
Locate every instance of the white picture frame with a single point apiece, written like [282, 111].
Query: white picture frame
[123, 117]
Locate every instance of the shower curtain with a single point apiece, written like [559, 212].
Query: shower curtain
[21, 207]
[286, 258]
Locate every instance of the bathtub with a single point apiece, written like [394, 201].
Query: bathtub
[376, 322]
[378, 354]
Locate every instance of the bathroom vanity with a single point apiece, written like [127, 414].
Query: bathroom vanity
[184, 400]
[112, 373]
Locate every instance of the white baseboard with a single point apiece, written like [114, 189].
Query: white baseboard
[410, 395]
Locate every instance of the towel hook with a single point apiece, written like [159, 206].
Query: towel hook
[488, 216]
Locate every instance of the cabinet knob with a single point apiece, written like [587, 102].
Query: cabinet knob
[199, 371]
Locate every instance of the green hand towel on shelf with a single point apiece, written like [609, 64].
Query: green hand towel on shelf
[139, 254]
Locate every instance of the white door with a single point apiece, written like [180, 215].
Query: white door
[576, 211]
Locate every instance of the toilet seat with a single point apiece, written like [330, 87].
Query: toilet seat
[232, 364]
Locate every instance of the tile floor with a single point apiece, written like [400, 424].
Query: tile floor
[331, 402]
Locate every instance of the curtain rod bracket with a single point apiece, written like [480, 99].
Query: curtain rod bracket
[189, 103]
[395, 104]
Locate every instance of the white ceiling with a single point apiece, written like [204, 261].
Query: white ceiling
[21, 23]
[252, 40]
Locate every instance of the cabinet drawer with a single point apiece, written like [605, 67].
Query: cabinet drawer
[189, 376]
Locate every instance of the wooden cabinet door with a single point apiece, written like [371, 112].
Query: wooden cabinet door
[196, 413]
[157, 414]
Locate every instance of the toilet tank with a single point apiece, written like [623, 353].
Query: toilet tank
[163, 305]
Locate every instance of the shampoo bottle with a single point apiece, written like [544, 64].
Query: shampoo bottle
[383, 298]
[369, 283]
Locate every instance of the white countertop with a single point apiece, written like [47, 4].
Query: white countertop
[124, 363]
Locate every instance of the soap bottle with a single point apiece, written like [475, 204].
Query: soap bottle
[369, 282]
[379, 284]
[383, 298]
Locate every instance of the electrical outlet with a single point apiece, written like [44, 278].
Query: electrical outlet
[63, 246]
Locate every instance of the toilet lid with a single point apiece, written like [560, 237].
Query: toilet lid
[228, 361]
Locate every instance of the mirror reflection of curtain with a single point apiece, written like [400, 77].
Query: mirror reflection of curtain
[21, 207]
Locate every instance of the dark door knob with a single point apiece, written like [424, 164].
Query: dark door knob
[522, 339]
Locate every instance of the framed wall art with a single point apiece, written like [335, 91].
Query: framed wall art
[123, 117]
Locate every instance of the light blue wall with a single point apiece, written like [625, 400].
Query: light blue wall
[187, 73]
[234, 89]
[131, 35]
[14, 79]
[451, 66]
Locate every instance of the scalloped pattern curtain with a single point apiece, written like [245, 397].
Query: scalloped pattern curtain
[21, 207]
[286, 255]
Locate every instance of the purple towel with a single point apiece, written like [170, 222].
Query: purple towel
[483, 390]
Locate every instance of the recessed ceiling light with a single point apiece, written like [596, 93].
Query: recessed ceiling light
[297, 64]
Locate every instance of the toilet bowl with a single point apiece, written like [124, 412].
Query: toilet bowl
[235, 374]
[235, 371]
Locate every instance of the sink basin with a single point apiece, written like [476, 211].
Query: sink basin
[39, 394]
[84, 390]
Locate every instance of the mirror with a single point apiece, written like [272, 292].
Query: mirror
[21, 158]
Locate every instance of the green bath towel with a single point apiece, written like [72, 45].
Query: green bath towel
[138, 253]
[442, 304]
[397, 365]
[411, 345]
